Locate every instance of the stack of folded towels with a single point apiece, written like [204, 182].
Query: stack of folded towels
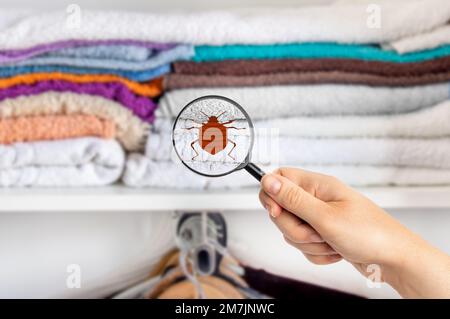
[71, 108]
[368, 104]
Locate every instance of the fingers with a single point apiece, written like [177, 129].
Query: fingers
[290, 225]
[314, 249]
[323, 260]
[296, 200]
[324, 187]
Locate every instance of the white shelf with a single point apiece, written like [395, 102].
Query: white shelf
[120, 198]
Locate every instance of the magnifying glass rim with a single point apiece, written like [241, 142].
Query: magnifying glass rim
[252, 133]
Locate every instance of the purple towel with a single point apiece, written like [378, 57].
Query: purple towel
[21, 54]
[142, 107]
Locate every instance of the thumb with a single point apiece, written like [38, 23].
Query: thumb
[295, 199]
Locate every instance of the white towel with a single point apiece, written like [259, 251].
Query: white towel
[425, 123]
[339, 23]
[141, 171]
[298, 100]
[72, 162]
[275, 150]
[424, 41]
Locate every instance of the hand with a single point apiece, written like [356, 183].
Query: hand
[328, 221]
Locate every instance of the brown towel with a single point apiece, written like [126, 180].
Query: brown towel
[183, 81]
[258, 67]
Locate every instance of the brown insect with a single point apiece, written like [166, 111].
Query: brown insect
[213, 137]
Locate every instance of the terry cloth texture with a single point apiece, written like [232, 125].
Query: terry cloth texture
[182, 81]
[151, 89]
[54, 127]
[72, 162]
[313, 51]
[258, 67]
[429, 122]
[274, 25]
[286, 150]
[423, 41]
[138, 76]
[8, 56]
[141, 106]
[141, 171]
[317, 100]
[180, 52]
[131, 132]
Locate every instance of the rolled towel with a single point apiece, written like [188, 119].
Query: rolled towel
[183, 81]
[141, 106]
[273, 25]
[54, 127]
[429, 122]
[317, 100]
[422, 41]
[151, 89]
[83, 48]
[131, 131]
[72, 162]
[141, 171]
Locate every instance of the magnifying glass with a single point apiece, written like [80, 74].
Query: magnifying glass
[213, 136]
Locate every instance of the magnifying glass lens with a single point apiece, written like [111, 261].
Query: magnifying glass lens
[213, 136]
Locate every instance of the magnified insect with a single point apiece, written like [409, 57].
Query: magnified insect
[203, 115]
[213, 137]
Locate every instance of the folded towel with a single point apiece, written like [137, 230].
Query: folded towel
[423, 41]
[314, 51]
[141, 106]
[138, 76]
[131, 131]
[289, 101]
[151, 89]
[273, 150]
[273, 25]
[72, 162]
[54, 127]
[140, 171]
[185, 81]
[180, 52]
[258, 67]
[430, 122]
[8, 56]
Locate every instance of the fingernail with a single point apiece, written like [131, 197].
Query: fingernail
[316, 239]
[272, 185]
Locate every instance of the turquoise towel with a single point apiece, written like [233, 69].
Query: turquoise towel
[313, 51]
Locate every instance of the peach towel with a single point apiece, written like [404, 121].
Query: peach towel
[131, 131]
[151, 89]
[54, 127]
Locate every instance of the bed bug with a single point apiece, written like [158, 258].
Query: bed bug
[213, 137]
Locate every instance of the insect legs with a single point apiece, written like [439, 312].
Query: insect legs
[192, 146]
[234, 145]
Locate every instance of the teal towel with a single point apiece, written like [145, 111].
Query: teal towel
[206, 53]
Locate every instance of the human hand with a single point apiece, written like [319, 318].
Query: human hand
[328, 221]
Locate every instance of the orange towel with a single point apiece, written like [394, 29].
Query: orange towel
[151, 89]
[53, 127]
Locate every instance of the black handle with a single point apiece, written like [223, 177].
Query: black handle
[255, 171]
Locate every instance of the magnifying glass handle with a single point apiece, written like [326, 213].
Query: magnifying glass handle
[255, 171]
